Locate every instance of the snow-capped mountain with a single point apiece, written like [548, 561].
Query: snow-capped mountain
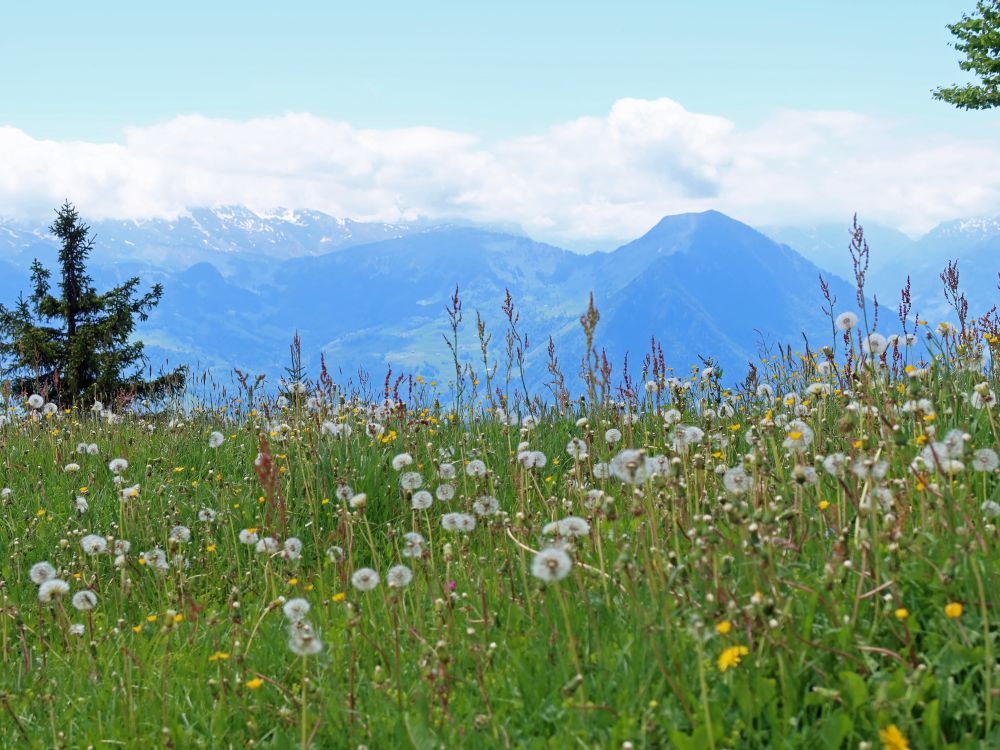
[239, 284]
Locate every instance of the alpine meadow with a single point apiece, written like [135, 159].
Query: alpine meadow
[424, 479]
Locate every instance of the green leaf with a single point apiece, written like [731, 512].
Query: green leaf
[835, 728]
[932, 723]
[418, 734]
[854, 689]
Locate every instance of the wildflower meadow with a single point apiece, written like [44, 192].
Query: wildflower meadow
[805, 558]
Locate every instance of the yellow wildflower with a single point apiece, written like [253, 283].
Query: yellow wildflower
[953, 610]
[893, 739]
[731, 657]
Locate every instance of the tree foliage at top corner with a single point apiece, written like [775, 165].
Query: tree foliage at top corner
[978, 39]
[72, 341]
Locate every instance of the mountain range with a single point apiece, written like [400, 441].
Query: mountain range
[371, 295]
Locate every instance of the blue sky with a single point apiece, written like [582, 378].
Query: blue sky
[584, 122]
[496, 69]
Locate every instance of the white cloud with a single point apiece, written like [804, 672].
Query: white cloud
[584, 180]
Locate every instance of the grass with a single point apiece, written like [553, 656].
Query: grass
[780, 606]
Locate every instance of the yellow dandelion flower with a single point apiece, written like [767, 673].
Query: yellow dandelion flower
[902, 613]
[218, 656]
[339, 597]
[253, 684]
[723, 627]
[731, 657]
[893, 739]
[953, 610]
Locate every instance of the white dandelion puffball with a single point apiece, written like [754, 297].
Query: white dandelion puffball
[207, 515]
[117, 465]
[486, 505]
[551, 564]
[84, 600]
[303, 641]
[296, 609]
[736, 480]
[248, 536]
[81, 504]
[629, 466]
[41, 572]
[446, 471]
[364, 579]
[216, 439]
[567, 527]
[49, 408]
[412, 544]
[335, 553]
[577, 449]
[846, 321]
[179, 534]
[398, 576]
[458, 522]
[532, 459]
[985, 459]
[421, 500]
[875, 344]
[401, 461]
[475, 469]
[71, 468]
[93, 544]
[35, 401]
[358, 501]
[267, 545]
[445, 492]
[293, 548]
[410, 481]
[612, 436]
[54, 588]
[983, 397]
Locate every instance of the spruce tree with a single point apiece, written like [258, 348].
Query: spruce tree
[77, 343]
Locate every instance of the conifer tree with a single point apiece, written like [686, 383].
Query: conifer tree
[72, 341]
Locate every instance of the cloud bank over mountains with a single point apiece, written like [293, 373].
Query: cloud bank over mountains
[583, 181]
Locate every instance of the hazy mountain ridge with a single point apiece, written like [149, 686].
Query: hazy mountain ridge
[974, 243]
[238, 284]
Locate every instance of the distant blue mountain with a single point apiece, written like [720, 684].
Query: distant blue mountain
[370, 296]
[974, 243]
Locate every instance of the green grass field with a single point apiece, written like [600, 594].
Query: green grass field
[806, 561]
